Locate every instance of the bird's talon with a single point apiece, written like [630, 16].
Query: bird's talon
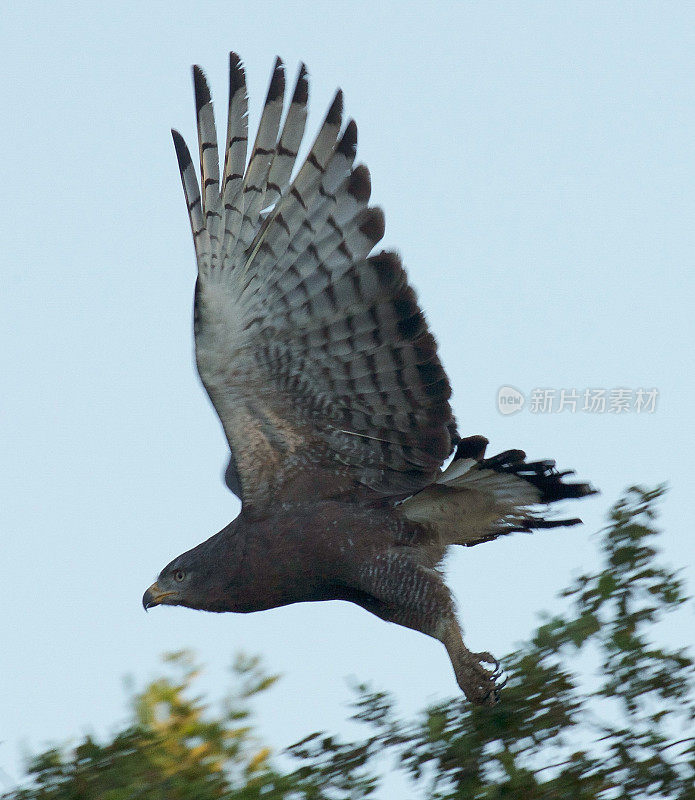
[485, 687]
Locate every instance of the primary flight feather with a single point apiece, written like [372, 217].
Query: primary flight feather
[320, 365]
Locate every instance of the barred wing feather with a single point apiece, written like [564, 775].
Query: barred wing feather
[314, 353]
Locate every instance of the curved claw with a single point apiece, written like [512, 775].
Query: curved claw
[492, 698]
[498, 672]
[493, 676]
[478, 674]
[488, 658]
[494, 695]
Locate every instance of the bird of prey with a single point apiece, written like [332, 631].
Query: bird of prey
[326, 378]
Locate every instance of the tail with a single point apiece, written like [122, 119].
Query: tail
[477, 499]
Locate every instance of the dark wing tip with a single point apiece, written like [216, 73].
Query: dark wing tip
[439, 389]
[335, 112]
[410, 321]
[425, 348]
[390, 257]
[301, 89]
[182, 153]
[430, 372]
[373, 225]
[200, 87]
[348, 141]
[412, 326]
[277, 82]
[237, 77]
[360, 184]
[388, 268]
[439, 413]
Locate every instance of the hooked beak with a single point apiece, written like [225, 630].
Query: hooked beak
[154, 596]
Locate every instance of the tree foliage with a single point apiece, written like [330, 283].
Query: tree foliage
[175, 748]
[593, 708]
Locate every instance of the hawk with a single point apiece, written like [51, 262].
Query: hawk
[326, 378]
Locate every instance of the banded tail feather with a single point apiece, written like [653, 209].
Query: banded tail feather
[477, 499]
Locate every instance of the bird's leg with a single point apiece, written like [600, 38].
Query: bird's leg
[403, 591]
[479, 684]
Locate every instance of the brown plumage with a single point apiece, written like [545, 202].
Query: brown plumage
[318, 360]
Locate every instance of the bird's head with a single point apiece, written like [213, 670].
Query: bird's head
[173, 585]
[199, 578]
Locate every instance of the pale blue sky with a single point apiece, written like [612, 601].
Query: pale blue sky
[536, 165]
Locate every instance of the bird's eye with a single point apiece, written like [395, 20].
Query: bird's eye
[179, 575]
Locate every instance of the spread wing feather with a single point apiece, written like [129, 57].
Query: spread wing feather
[209, 160]
[287, 148]
[235, 154]
[315, 353]
[256, 175]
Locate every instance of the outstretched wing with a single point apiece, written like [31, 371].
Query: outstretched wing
[315, 354]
